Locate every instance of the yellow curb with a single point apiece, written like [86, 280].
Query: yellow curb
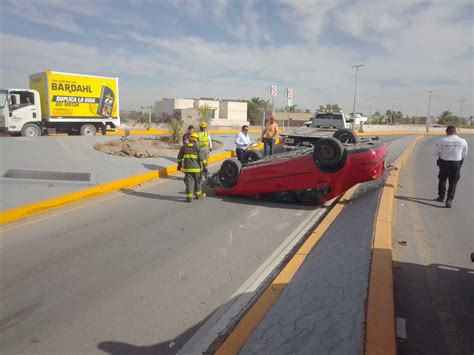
[380, 325]
[24, 211]
[246, 326]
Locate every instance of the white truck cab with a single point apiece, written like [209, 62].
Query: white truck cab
[335, 120]
[20, 112]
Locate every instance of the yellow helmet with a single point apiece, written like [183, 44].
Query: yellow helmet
[194, 136]
[203, 124]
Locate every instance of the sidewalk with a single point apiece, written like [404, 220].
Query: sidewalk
[322, 309]
[74, 154]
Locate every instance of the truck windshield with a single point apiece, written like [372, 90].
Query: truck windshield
[3, 98]
[328, 116]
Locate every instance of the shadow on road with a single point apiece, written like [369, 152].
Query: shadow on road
[164, 348]
[420, 201]
[438, 305]
[154, 196]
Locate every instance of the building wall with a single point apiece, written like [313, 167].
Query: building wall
[233, 111]
[211, 103]
[164, 106]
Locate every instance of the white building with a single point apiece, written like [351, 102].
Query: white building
[223, 112]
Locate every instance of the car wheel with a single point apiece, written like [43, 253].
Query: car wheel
[252, 155]
[229, 173]
[31, 130]
[88, 130]
[345, 135]
[328, 152]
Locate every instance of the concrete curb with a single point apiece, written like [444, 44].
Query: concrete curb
[380, 318]
[249, 322]
[24, 211]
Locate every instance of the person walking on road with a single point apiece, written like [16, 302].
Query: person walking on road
[192, 162]
[242, 142]
[269, 135]
[451, 151]
[205, 142]
[187, 134]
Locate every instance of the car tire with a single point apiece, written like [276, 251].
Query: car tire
[252, 155]
[229, 173]
[31, 130]
[88, 130]
[345, 135]
[328, 152]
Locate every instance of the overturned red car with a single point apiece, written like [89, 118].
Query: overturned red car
[308, 175]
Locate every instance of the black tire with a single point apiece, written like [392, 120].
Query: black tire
[345, 135]
[328, 152]
[31, 130]
[252, 155]
[88, 130]
[229, 173]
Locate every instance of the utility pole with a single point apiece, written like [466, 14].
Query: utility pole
[460, 114]
[370, 114]
[355, 94]
[149, 115]
[429, 107]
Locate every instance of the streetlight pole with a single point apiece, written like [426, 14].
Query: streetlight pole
[149, 115]
[355, 94]
[460, 114]
[429, 107]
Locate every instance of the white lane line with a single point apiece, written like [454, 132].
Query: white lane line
[450, 268]
[401, 328]
[224, 317]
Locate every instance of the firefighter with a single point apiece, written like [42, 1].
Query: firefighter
[205, 142]
[192, 162]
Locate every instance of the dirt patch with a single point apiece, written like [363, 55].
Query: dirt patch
[144, 147]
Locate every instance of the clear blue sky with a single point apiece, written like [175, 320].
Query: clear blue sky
[237, 49]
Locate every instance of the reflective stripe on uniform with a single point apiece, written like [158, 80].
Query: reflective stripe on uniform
[198, 193]
[190, 156]
[189, 195]
[191, 170]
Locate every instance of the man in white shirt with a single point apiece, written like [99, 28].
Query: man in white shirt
[451, 151]
[242, 142]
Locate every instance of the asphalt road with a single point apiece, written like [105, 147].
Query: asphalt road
[133, 272]
[434, 276]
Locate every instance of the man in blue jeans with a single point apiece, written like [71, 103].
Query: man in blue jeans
[269, 135]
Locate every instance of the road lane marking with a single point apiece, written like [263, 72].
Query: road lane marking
[225, 316]
[245, 327]
[401, 328]
[380, 316]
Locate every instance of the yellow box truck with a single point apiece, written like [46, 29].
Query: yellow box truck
[59, 102]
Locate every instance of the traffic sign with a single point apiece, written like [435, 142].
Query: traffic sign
[274, 90]
[289, 93]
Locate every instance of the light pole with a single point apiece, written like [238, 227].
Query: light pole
[370, 115]
[429, 107]
[355, 94]
[460, 114]
[149, 115]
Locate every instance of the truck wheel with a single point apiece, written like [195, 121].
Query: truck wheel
[345, 135]
[88, 130]
[328, 152]
[31, 130]
[229, 173]
[252, 155]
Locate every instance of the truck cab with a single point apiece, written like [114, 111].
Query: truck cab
[336, 120]
[20, 112]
